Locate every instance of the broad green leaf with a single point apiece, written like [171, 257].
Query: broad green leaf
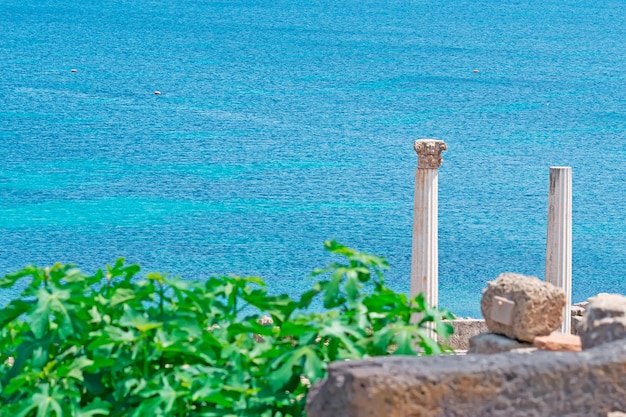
[307, 297]
[73, 275]
[97, 407]
[43, 401]
[149, 407]
[284, 369]
[75, 368]
[443, 328]
[14, 309]
[250, 326]
[382, 340]
[16, 383]
[138, 320]
[296, 329]
[122, 295]
[314, 368]
[352, 286]
[332, 291]
[115, 334]
[345, 335]
[211, 395]
[10, 279]
[50, 305]
[430, 345]
[405, 341]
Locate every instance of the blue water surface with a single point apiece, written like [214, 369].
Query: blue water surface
[281, 124]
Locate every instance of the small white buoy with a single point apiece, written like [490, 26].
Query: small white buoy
[157, 93]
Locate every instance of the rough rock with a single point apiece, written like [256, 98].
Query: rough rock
[558, 342]
[488, 343]
[591, 383]
[577, 322]
[604, 320]
[577, 311]
[583, 304]
[464, 330]
[536, 309]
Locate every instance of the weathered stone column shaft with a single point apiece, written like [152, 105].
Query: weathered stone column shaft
[425, 259]
[425, 255]
[559, 240]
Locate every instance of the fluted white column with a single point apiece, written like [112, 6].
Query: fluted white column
[559, 241]
[425, 255]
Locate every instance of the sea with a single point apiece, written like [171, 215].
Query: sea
[201, 137]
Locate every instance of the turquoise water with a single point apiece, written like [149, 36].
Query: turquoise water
[280, 125]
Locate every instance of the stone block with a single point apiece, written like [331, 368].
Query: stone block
[488, 343]
[464, 330]
[577, 322]
[582, 304]
[558, 342]
[591, 383]
[522, 307]
[604, 320]
[577, 311]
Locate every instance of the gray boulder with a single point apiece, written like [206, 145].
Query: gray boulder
[604, 320]
[567, 384]
[488, 343]
[522, 307]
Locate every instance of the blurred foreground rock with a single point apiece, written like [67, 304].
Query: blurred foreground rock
[591, 383]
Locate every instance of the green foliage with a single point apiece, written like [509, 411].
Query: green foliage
[115, 344]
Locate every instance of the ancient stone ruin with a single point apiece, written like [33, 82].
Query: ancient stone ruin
[518, 367]
[522, 307]
[522, 312]
[604, 321]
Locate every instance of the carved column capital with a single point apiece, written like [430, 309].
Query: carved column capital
[429, 153]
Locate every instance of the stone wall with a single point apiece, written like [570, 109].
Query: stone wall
[464, 330]
[541, 383]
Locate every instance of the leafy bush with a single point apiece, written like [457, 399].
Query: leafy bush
[114, 344]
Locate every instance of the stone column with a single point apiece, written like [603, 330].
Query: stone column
[425, 256]
[559, 241]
